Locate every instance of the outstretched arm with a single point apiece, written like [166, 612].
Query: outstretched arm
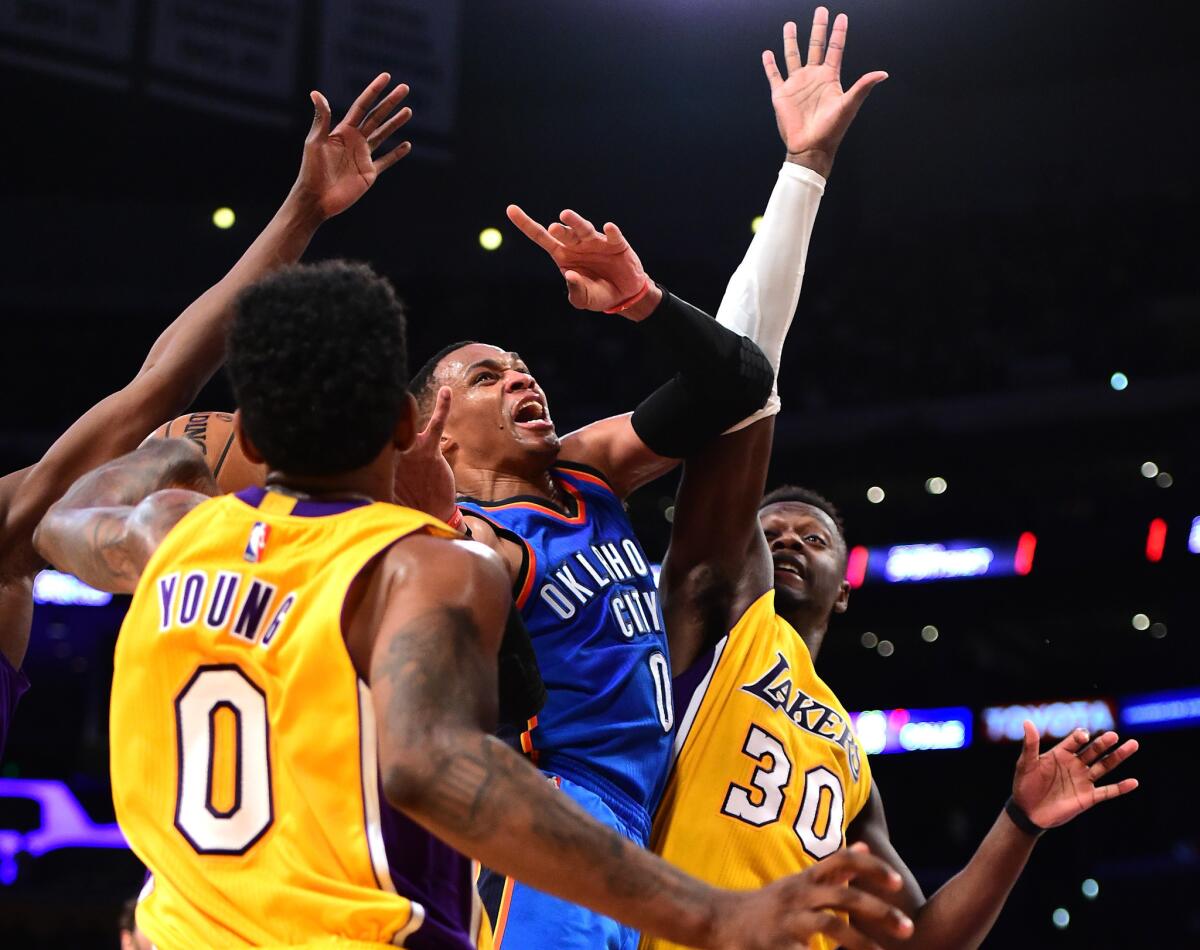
[813, 115]
[1050, 789]
[106, 527]
[337, 168]
[718, 563]
[433, 674]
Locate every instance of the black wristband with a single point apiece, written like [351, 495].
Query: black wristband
[1022, 820]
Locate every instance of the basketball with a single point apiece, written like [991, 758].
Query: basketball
[214, 433]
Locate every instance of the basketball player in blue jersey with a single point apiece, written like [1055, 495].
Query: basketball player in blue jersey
[387, 626]
[552, 508]
[336, 170]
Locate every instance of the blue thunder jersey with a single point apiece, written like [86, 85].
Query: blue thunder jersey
[588, 596]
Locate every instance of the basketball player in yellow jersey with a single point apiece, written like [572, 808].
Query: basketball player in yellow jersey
[337, 169]
[769, 778]
[305, 684]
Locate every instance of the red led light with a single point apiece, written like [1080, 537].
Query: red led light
[856, 566]
[1026, 545]
[1156, 540]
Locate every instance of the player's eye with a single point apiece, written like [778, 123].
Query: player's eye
[816, 539]
[484, 376]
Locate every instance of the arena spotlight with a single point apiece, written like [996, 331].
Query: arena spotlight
[929, 633]
[1158, 630]
[875, 494]
[869, 640]
[756, 223]
[886, 648]
[490, 239]
[224, 218]
[1061, 918]
[1091, 890]
[1149, 470]
[936, 485]
[1140, 622]
[1119, 382]
[1164, 480]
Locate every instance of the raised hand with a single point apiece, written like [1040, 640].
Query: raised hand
[339, 165]
[601, 270]
[811, 110]
[424, 479]
[1061, 784]
[791, 911]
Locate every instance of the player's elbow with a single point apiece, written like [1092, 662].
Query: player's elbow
[410, 776]
[406, 787]
[45, 534]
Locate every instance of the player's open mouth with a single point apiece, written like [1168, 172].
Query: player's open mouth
[786, 564]
[531, 414]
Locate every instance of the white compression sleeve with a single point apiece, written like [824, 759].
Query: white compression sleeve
[761, 298]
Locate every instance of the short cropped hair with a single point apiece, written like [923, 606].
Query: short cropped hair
[805, 496]
[318, 359]
[422, 384]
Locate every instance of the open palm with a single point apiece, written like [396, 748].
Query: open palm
[339, 165]
[1061, 784]
[811, 108]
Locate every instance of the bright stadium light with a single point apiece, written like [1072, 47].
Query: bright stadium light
[1164, 480]
[1061, 918]
[936, 485]
[224, 218]
[1141, 622]
[490, 239]
[869, 640]
[929, 633]
[886, 648]
[1149, 470]
[1091, 890]
[1119, 382]
[875, 494]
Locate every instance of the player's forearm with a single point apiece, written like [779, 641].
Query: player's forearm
[761, 297]
[192, 348]
[962, 912]
[485, 800]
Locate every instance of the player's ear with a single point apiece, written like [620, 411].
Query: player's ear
[243, 440]
[843, 598]
[406, 424]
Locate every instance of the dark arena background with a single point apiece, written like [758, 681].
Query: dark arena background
[994, 370]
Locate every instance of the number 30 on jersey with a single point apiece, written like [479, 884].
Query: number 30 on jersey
[763, 803]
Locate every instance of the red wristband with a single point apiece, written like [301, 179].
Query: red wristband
[456, 520]
[625, 305]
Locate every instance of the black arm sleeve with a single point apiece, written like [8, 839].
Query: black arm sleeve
[522, 692]
[723, 378]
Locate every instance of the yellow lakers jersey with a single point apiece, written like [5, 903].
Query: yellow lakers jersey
[243, 742]
[768, 772]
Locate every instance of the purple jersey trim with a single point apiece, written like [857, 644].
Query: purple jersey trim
[305, 508]
[13, 684]
[434, 875]
[684, 686]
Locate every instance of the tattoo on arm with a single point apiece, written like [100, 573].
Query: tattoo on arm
[436, 687]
